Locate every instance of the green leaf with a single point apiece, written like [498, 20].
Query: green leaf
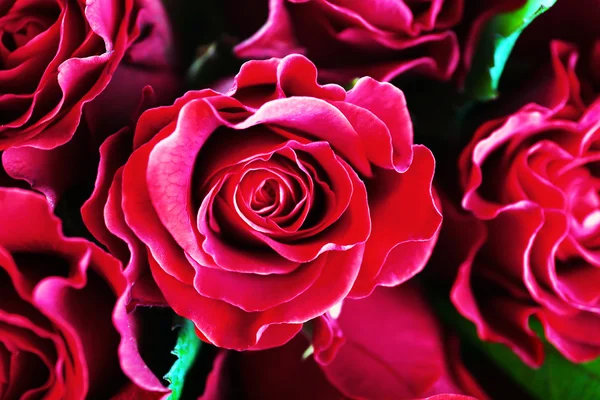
[351, 84]
[308, 352]
[186, 349]
[495, 46]
[556, 379]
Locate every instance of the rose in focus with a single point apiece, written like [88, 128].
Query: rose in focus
[263, 208]
[531, 182]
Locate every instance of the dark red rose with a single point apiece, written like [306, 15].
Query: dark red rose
[263, 208]
[531, 183]
[395, 349]
[348, 39]
[69, 67]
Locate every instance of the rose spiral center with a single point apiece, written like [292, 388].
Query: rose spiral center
[20, 26]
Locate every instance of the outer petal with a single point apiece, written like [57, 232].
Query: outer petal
[399, 200]
[280, 373]
[74, 274]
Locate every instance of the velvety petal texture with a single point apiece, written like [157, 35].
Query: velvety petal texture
[59, 298]
[405, 357]
[75, 68]
[530, 183]
[263, 208]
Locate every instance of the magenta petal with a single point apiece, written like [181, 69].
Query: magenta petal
[252, 292]
[141, 217]
[297, 76]
[402, 210]
[277, 29]
[217, 385]
[383, 358]
[319, 120]
[351, 228]
[49, 171]
[503, 318]
[131, 361]
[215, 319]
[327, 338]
[113, 154]
[170, 170]
[576, 335]
[388, 103]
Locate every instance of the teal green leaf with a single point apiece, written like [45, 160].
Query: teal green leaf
[556, 379]
[496, 44]
[186, 349]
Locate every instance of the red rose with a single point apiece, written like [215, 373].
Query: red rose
[265, 207]
[56, 335]
[67, 67]
[349, 39]
[401, 357]
[531, 183]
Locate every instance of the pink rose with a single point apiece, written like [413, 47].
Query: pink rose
[59, 298]
[530, 182]
[349, 39]
[59, 55]
[69, 66]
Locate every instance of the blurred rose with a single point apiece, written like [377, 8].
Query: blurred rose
[395, 349]
[69, 67]
[531, 182]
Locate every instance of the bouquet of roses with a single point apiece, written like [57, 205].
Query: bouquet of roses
[300, 199]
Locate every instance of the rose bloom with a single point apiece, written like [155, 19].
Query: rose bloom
[349, 39]
[263, 208]
[58, 55]
[395, 349]
[57, 339]
[531, 183]
[68, 66]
